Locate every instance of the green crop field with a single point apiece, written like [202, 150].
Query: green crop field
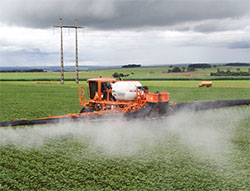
[207, 150]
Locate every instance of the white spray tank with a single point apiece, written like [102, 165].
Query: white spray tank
[125, 90]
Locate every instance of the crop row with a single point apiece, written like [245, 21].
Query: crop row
[70, 164]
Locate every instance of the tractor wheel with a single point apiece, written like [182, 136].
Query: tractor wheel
[84, 110]
[141, 113]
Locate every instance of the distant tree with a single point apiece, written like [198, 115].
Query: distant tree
[237, 64]
[115, 75]
[248, 69]
[200, 66]
[238, 69]
[119, 75]
[176, 69]
[190, 69]
[183, 69]
[131, 66]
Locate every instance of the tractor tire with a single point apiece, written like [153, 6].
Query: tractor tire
[84, 110]
[141, 113]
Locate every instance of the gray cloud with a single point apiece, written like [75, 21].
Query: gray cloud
[126, 31]
[26, 57]
[27, 52]
[222, 25]
[239, 44]
[121, 14]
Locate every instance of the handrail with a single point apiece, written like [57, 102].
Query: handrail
[82, 98]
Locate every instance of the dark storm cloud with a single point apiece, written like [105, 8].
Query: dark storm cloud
[120, 14]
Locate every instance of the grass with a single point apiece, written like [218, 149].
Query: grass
[33, 100]
[186, 91]
[69, 163]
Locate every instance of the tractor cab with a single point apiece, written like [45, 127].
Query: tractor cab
[100, 88]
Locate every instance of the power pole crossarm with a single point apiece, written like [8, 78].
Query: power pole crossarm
[68, 26]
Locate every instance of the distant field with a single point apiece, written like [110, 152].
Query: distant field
[135, 73]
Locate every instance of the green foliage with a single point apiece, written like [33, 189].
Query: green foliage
[32, 99]
[190, 69]
[115, 75]
[229, 73]
[119, 75]
[175, 69]
[200, 66]
[68, 164]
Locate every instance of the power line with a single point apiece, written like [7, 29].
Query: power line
[61, 26]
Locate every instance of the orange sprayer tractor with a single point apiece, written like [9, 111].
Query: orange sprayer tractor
[109, 98]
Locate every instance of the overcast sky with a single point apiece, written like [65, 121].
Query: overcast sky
[117, 32]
